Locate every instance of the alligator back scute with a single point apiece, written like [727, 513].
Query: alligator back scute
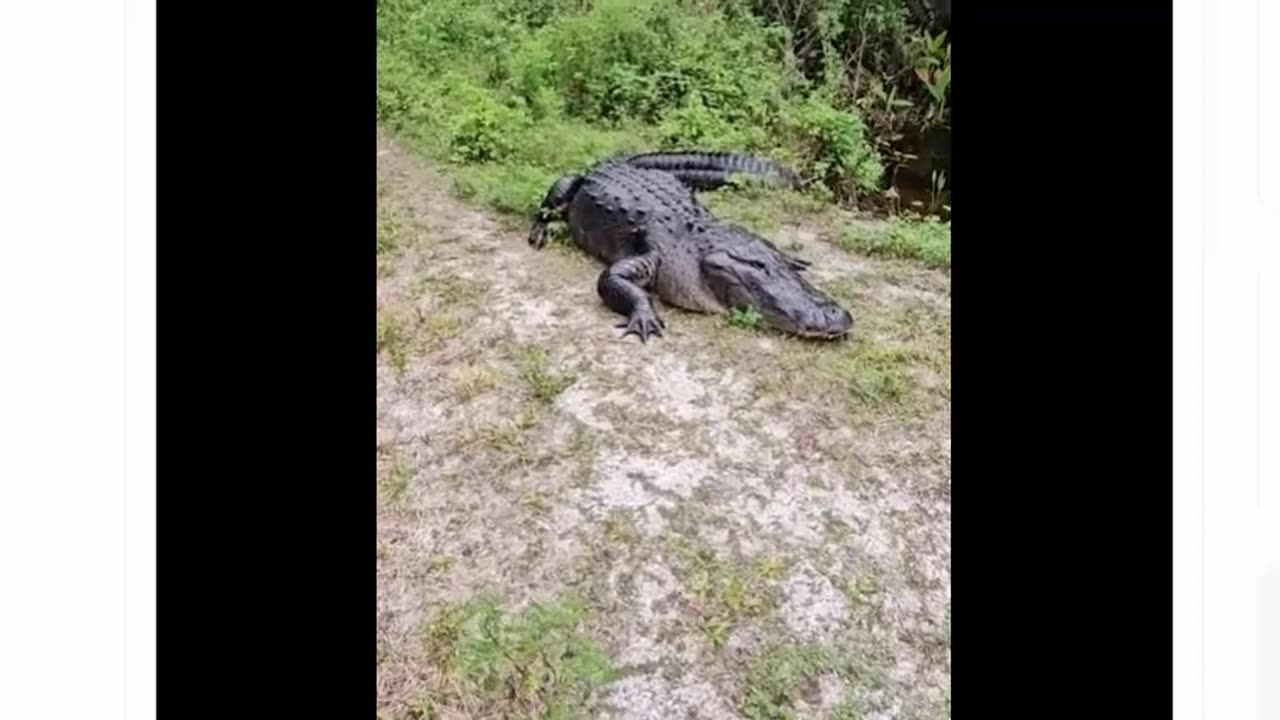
[617, 205]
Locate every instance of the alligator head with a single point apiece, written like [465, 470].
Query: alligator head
[750, 276]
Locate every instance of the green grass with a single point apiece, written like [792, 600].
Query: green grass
[517, 185]
[895, 366]
[436, 328]
[726, 594]
[388, 232]
[393, 340]
[925, 240]
[862, 590]
[396, 481]
[440, 564]
[875, 375]
[514, 442]
[509, 439]
[508, 443]
[542, 384]
[538, 663]
[389, 331]
[781, 676]
[762, 210]
[897, 362]
[401, 337]
[747, 317]
[619, 528]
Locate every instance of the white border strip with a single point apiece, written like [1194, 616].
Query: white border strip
[63, 359]
[140, 654]
[1226, 527]
[1188, 360]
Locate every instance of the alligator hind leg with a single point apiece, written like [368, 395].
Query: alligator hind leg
[622, 287]
[553, 208]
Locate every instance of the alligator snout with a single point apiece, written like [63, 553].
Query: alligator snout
[828, 322]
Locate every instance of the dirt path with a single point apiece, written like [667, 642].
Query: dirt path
[714, 496]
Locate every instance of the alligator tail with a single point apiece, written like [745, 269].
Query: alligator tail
[708, 170]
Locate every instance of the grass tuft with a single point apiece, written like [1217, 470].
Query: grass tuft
[926, 240]
[534, 664]
[542, 384]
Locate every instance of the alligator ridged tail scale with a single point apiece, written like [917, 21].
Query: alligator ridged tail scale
[708, 171]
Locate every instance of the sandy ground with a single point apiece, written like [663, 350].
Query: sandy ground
[524, 448]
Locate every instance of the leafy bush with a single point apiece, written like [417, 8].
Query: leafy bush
[888, 59]
[486, 130]
[837, 149]
[511, 94]
[693, 124]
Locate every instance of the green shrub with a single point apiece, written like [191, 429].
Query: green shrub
[838, 153]
[486, 130]
[510, 94]
[695, 125]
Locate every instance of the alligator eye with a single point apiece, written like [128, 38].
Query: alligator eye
[749, 261]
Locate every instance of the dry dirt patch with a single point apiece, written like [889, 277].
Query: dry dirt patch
[720, 499]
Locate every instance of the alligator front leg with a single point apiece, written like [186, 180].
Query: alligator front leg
[553, 208]
[622, 287]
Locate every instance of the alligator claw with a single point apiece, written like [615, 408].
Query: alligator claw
[538, 235]
[643, 325]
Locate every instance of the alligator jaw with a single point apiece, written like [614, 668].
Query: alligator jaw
[831, 335]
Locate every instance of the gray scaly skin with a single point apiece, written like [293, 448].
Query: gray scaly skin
[639, 215]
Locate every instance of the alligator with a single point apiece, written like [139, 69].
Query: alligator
[639, 215]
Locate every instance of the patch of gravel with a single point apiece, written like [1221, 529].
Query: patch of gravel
[812, 608]
[653, 697]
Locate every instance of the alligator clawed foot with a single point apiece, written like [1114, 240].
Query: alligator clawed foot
[538, 235]
[643, 325]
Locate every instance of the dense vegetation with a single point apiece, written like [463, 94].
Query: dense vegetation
[511, 93]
